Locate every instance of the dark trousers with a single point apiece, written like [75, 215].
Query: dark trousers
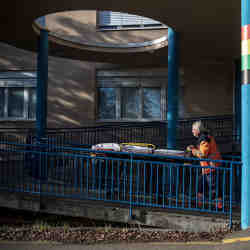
[209, 185]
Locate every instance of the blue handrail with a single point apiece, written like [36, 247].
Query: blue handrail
[119, 177]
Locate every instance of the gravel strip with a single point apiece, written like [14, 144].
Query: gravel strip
[28, 226]
[92, 236]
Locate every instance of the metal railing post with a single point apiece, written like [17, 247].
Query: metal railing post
[131, 186]
[231, 193]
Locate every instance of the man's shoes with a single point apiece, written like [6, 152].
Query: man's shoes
[218, 203]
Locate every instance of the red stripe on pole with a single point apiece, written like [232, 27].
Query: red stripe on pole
[245, 32]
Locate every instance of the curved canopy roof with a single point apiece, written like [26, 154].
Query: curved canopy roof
[208, 30]
[78, 29]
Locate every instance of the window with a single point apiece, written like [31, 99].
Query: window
[109, 20]
[131, 95]
[17, 95]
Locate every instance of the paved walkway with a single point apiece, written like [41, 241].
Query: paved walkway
[239, 240]
[146, 246]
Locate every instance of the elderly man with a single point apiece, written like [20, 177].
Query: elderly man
[206, 148]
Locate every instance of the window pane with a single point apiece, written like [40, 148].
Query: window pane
[152, 103]
[130, 103]
[117, 19]
[107, 98]
[16, 102]
[2, 102]
[32, 103]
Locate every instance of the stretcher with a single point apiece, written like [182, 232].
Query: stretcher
[140, 148]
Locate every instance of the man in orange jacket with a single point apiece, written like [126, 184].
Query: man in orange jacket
[207, 149]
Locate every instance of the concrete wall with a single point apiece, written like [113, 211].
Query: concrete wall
[206, 88]
[98, 210]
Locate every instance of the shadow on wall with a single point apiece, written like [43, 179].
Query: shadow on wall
[70, 88]
[71, 93]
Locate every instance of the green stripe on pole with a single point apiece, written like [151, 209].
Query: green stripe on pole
[245, 63]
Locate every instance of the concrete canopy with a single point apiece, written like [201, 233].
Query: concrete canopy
[79, 29]
[209, 30]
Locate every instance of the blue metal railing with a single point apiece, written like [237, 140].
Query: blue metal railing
[143, 180]
[150, 132]
[146, 132]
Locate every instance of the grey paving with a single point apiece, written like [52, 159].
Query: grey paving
[146, 246]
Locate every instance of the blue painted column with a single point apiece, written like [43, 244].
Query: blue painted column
[245, 117]
[172, 90]
[42, 84]
[237, 101]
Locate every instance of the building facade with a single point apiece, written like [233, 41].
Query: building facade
[134, 88]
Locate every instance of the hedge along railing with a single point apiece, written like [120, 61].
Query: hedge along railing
[139, 180]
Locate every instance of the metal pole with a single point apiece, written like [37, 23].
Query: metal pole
[245, 117]
[42, 84]
[173, 86]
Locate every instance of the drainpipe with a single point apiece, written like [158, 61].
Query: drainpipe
[245, 117]
[172, 89]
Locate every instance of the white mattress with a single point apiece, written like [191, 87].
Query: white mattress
[169, 152]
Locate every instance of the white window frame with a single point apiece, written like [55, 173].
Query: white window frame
[25, 80]
[125, 21]
[140, 76]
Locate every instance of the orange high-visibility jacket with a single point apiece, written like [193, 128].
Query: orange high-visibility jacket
[207, 148]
